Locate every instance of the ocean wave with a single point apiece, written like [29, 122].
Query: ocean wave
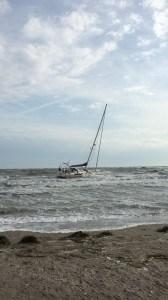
[15, 211]
[114, 196]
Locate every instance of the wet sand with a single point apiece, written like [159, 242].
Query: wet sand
[119, 264]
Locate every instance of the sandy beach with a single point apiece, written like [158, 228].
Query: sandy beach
[124, 264]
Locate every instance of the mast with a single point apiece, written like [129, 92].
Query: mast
[98, 153]
[94, 142]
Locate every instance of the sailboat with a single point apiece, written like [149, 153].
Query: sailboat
[67, 170]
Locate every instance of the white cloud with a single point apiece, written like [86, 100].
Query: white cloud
[120, 4]
[55, 53]
[66, 29]
[150, 53]
[155, 4]
[35, 28]
[135, 19]
[84, 58]
[160, 16]
[70, 108]
[58, 53]
[4, 7]
[61, 52]
[161, 24]
[123, 3]
[143, 42]
[120, 33]
[139, 89]
[125, 27]
[114, 18]
[164, 44]
[2, 47]
[80, 22]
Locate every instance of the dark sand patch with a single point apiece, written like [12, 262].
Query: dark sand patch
[29, 239]
[78, 236]
[104, 234]
[163, 229]
[4, 241]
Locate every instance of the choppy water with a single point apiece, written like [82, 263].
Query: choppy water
[114, 197]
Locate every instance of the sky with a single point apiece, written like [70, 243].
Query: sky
[61, 61]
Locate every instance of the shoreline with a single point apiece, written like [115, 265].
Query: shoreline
[66, 231]
[130, 263]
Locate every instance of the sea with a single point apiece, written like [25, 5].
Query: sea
[36, 200]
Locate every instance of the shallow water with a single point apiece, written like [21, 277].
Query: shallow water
[115, 197]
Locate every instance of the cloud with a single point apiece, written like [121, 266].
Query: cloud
[60, 52]
[128, 26]
[150, 53]
[160, 17]
[67, 29]
[84, 58]
[155, 4]
[122, 4]
[119, 4]
[135, 19]
[79, 22]
[139, 89]
[2, 48]
[4, 7]
[143, 42]
[161, 24]
[55, 53]
[35, 28]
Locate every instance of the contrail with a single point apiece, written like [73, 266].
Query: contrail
[37, 108]
[11, 122]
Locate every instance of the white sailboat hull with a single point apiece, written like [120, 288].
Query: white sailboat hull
[69, 174]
